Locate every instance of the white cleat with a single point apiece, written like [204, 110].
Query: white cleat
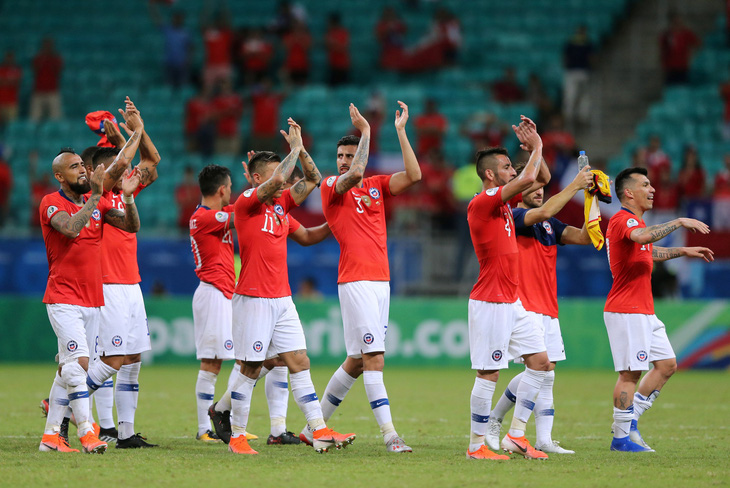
[553, 448]
[494, 429]
[635, 437]
[396, 444]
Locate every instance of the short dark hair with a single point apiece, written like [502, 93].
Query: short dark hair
[88, 154]
[348, 141]
[103, 154]
[485, 159]
[623, 178]
[296, 174]
[69, 150]
[211, 178]
[260, 159]
[519, 166]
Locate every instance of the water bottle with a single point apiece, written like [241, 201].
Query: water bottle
[582, 161]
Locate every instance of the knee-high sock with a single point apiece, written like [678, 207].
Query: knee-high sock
[545, 411]
[277, 396]
[241, 404]
[526, 394]
[57, 405]
[127, 396]
[481, 403]
[507, 399]
[336, 390]
[204, 394]
[379, 403]
[303, 391]
[104, 399]
[233, 377]
[74, 376]
[622, 421]
[642, 403]
[224, 404]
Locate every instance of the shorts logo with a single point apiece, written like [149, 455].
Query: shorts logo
[258, 346]
[72, 346]
[374, 193]
[96, 215]
[497, 355]
[331, 180]
[492, 191]
[548, 227]
[228, 345]
[116, 341]
[221, 216]
[642, 356]
[51, 210]
[279, 210]
[368, 338]
[248, 192]
[631, 223]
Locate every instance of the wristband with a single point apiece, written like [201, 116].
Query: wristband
[128, 200]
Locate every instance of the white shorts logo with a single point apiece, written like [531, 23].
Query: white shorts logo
[248, 192]
[631, 223]
[221, 216]
[331, 180]
[492, 191]
[51, 210]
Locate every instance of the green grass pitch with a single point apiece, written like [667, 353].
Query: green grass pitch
[688, 427]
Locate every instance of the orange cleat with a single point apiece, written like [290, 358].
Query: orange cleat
[54, 442]
[521, 445]
[90, 443]
[325, 438]
[97, 429]
[484, 453]
[239, 445]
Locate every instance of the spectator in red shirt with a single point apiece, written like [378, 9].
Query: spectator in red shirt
[46, 98]
[484, 130]
[255, 54]
[10, 76]
[506, 89]
[6, 186]
[721, 198]
[431, 127]
[337, 40]
[557, 143]
[656, 159]
[40, 186]
[677, 44]
[390, 32]
[297, 44]
[437, 198]
[666, 193]
[187, 196]
[725, 94]
[692, 177]
[218, 40]
[265, 113]
[228, 107]
[200, 123]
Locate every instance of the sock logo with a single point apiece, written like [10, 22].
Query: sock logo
[497, 355]
[228, 345]
[72, 346]
[642, 356]
[258, 346]
[368, 338]
[116, 341]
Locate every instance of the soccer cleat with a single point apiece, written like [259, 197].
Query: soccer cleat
[239, 445]
[221, 423]
[251, 437]
[208, 437]
[625, 444]
[521, 445]
[134, 442]
[494, 429]
[64, 428]
[307, 436]
[108, 435]
[635, 436]
[54, 442]
[97, 429]
[287, 438]
[90, 443]
[484, 453]
[396, 444]
[325, 438]
[45, 406]
[553, 448]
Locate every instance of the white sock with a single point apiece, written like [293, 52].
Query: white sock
[104, 399]
[97, 375]
[526, 394]
[74, 376]
[642, 403]
[204, 394]
[336, 390]
[241, 405]
[507, 399]
[545, 411]
[224, 404]
[57, 405]
[233, 377]
[127, 395]
[264, 371]
[277, 396]
[378, 398]
[622, 422]
[481, 402]
[303, 391]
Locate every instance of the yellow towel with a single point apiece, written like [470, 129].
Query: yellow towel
[599, 190]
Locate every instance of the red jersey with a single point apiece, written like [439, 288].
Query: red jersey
[435, 124]
[357, 220]
[74, 265]
[262, 231]
[338, 54]
[293, 224]
[265, 114]
[631, 265]
[492, 229]
[47, 72]
[217, 47]
[212, 246]
[119, 248]
[229, 108]
[10, 76]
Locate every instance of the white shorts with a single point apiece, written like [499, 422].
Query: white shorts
[552, 335]
[501, 331]
[77, 330]
[636, 340]
[263, 328]
[212, 319]
[365, 307]
[123, 328]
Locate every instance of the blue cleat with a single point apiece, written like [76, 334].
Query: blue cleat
[626, 445]
[635, 436]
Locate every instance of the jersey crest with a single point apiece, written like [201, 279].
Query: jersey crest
[374, 193]
[96, 215]
[548, 227]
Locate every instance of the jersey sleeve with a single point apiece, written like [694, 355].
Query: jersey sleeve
[139, 189]
[519, 215]
[287, 201]
[293, 225]
[248, 202]
[486, 202]
[214, 221]
[624, 225]
[384, 181]
[328, 192]
[47, 210]
[105, 204]
[558, 228]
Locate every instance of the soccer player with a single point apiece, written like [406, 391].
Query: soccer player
[499, 327]
[354, 207]
[538, 235]
[637, 337]
[72, 231]
[265, 321]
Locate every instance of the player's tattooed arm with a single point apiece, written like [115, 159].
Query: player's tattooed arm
[355, 173]
[123, 160]
[128, 219]
[312, 178]
[71, 226]
[665, 253]
[268, 189]
[651, 234]
[149, 155]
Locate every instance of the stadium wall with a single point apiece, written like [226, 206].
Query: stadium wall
[421, 332]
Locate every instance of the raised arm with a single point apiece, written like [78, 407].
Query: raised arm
[268, 189]
[355, 174]
[543, 175]
[647, 235]
[403, 180]
[124, 159]
[666, 253]
[71, 226]
[149, 156]
[555, 204]
[312, 176]
[307, 236]
[527, 178]
[127, 219]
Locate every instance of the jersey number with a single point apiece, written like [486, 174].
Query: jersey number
[268, 224]
[227, 238]
[507, 226]
[358, 202]
[196, 253]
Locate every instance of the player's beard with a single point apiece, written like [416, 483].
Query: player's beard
[80, 188]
